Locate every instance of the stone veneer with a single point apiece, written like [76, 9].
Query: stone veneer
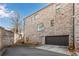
[62, 22]
[6, 38]
[76, 23]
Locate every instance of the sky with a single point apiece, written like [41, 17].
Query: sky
[9, 10]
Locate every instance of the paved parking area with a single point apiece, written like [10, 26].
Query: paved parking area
[28, 51]
[55, 48]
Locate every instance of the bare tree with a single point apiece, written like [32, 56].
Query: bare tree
[16, 23]
[16, 26]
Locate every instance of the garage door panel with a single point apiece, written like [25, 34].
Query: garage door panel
[57, 40]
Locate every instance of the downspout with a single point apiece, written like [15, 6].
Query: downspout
[73, 27]
[24, 30]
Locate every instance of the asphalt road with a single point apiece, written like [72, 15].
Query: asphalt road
[28, 51]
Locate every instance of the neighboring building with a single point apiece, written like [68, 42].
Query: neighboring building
[6, 37]
[51, 25]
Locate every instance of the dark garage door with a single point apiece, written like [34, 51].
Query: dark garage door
[57, 40]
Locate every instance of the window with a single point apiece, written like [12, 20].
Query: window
[58, 10]
[52, 22]
[33, 18]
[37, 16]
[40, 27]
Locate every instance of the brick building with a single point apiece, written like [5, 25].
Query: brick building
[52, 24]
[6, 37]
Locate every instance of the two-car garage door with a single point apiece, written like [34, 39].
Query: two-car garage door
[62, 40]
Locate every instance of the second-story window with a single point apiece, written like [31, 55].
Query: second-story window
[33, 18]
[40, 27]
[37, 16]
[52, 22]
[58, 10]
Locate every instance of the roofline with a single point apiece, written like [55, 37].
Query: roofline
[5, 29]
[1, 27]
[39, 10]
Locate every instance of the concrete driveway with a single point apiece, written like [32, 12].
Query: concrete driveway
[55, 48]
[29, 51]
